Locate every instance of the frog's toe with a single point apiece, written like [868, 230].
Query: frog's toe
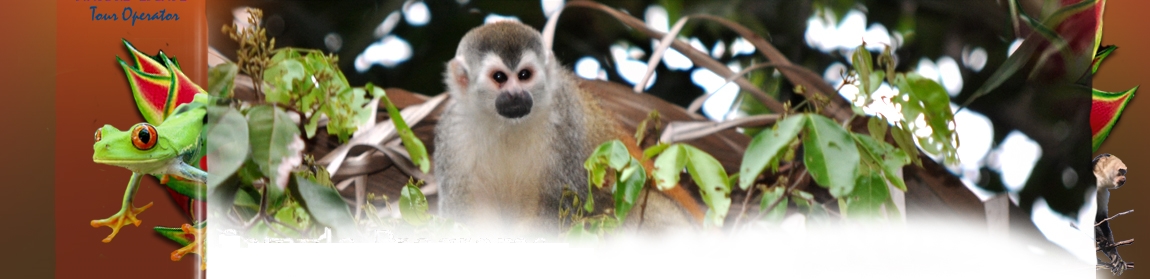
[127, 215]
[196, 247]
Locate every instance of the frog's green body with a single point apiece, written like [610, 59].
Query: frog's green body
[173, 148]
[164, 150]
[178, 142]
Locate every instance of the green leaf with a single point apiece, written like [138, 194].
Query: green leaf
[412, 143]
[769, 197]
[868, 196]
[243, 199]
[227, 143]
[905, 141]
[651, 152]
[802, 199]
[872, 83]
[862, 62]
[616, 154]
[310, 127]
[766, 148]
[864, 66]
[597, 174]
[668, 167]
[589, 204]
[611, 154]
[323, 204]
[579, 234]
[413, 206]
[342, 112]
[712, 181]
[223, 195]
[830, 155]
[877, 127]
[631, 181]
[271, 133]
[935, 106]
[174, 234]
[222, 79]
[1103, 52]
[284, 54]
[283, 77]
[288, 216]
[886, 156]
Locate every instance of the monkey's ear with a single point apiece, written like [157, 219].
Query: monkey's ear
[458, 74]
[548, 57]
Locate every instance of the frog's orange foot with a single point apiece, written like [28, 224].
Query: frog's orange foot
[127, 215]
[194, 247]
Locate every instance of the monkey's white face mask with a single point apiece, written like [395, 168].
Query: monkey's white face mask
[495, 87]
[1109, 171]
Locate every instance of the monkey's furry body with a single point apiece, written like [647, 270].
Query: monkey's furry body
[517, 131]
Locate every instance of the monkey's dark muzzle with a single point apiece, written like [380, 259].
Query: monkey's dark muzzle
[513, 104]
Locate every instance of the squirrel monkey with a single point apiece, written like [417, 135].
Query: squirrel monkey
[517, 132]
[1110, 173]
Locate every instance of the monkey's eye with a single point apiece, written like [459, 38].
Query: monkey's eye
[499, 77]
[524, 75]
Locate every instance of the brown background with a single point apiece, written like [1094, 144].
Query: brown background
[38, 245]
[1127, 25]
[92, 90]
[28, 85]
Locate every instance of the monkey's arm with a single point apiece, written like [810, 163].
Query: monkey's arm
[1104, 237]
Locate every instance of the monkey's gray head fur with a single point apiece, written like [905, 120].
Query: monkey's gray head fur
[1109, 171]
[501, 68]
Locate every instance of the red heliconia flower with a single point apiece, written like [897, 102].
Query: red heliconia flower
[1106, 107]
[159, 86]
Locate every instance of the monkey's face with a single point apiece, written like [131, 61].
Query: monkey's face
[1109, 171]
[501, 70]
[511, 90]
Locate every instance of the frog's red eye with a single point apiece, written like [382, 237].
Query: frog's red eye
[98, 135]
[144, 136]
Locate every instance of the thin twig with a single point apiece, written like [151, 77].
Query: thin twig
[1112, 217]
[698, 57]
[1129, 266]
[263, 209]
[786, 193]
[1116, 244]
[270, 219]
[746, 199]
[642, 208]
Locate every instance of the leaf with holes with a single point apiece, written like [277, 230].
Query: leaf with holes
[668, 166]
[612, 154]
[712, 180]
[929, 99]
[631, 181]
[885, 156]
[413, 205]
[414, 146]
[830, 155]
